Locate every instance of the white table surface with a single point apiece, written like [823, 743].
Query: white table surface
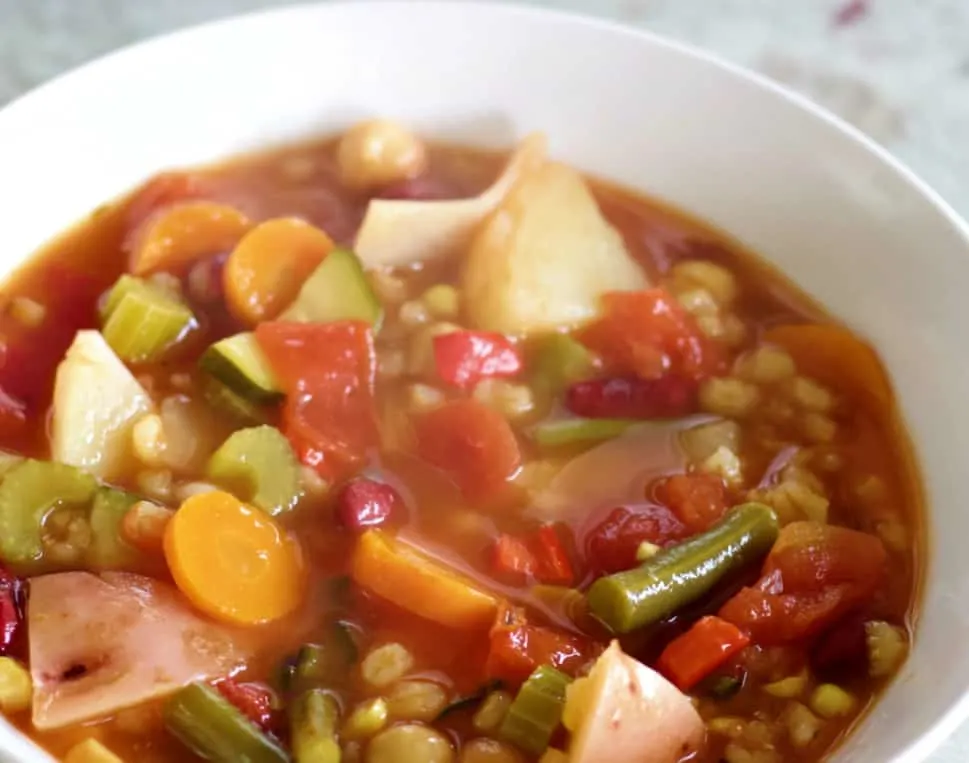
[897, 69]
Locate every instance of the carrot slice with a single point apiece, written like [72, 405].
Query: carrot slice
[265, 271]
[400, 573]
[232, 561]
[184, 232]
[836, 357]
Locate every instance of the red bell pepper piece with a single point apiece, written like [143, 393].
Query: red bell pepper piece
[648, 333]
[463, 358]
[517, 647]
[694, 655]
[629, 397]
[327, 373]
[253, 700]
[472, 442]
[540, 556]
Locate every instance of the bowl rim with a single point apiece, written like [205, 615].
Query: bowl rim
[943, 727]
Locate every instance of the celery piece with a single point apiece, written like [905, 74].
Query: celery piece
[536, 710]
[29, 491]
[313, 721]
[259, 466]
[573, 431]
[141, 320]
[108, 549]
[211, 727]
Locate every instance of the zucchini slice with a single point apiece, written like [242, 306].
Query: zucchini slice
[337, 290]
[240, 364]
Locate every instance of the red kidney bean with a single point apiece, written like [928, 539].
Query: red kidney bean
[843, 649]
[11, 610]
[629, 397]
[253, 700]
[204, 279]
[365, 503]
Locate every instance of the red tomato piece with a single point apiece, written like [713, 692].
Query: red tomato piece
[814, 576]
[612, 544]
[540, 556]
[648, 333]
[629, 397]
[518, 647]
[253, 700]
[694, 655]
[463, 358]
[472, 442]
[699, 500]
[327, 373]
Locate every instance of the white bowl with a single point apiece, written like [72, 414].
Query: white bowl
[832, 210]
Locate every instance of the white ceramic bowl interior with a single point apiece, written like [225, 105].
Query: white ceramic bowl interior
[834, 212]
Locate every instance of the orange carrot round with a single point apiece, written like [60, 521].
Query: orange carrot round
[232, 561]
[269, 265]
[184, 232]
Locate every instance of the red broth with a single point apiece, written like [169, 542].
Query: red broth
[746, 392]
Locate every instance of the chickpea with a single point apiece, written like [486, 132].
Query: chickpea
[377, 153]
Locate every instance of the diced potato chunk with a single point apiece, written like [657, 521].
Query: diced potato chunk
[545, 257]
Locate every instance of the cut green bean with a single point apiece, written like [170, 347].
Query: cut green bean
[258, 465]
[327, 662]
[560, 432]
[313, 721]
[536, 710]
[682, 574]
[29, 491]
[141, 321]
[211, 727]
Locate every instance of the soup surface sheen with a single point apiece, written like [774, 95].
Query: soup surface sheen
[304, 462]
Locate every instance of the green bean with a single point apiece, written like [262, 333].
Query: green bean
[313, 721]
[682, 574]
[209, 725]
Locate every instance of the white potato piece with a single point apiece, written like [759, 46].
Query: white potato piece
[402, 232]
[546, 257]
[99, 644]
[631, 711]
[96, 403]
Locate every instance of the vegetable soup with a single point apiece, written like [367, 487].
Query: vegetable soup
[373, 449]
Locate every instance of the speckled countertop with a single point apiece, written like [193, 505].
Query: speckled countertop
[898, 69]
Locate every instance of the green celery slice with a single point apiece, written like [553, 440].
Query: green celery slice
[209, 725]
[536, 710]
[141, 321]
[259, 466]
[108, 549]
[337, 290]
[241, 365]
[29, 491]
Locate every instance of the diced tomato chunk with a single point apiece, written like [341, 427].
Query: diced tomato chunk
[540, 556]
[472, 442]
[253, 700]
[612, 544]
[699, 500]
[463, 358]
[648, 333]
[518, 647]
[327, 373]
[629, 397]
[814, 576]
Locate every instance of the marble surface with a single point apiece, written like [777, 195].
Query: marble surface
[897, 69]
